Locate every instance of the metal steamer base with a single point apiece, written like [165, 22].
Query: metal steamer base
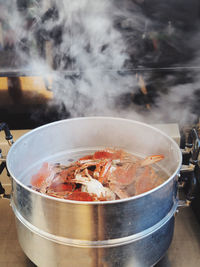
[130, 232]
[142, 249]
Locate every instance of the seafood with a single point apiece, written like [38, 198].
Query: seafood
[106, 175]
[137, 175]
[93, 186]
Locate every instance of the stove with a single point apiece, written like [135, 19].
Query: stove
[184, 249]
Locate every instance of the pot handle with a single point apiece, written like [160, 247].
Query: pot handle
[2, 167]
[4, 127]
[191, 191]
[3, 195]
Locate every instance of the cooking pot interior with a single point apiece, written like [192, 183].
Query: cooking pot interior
[70, 139]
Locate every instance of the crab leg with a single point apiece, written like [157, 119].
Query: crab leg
[151, 160]
[93, 186]
[118, 191]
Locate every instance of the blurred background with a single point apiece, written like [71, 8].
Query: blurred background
[134, 58]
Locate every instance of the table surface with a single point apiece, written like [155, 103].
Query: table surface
[183, 252]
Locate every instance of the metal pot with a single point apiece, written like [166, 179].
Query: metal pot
[130, 232]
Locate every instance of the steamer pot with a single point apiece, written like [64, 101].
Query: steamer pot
[130, 232]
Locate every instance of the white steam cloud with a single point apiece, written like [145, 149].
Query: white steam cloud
[90, 58]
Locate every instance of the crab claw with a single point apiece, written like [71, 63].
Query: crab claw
[151, 159]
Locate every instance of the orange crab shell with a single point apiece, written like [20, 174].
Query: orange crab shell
[81, 196]
[56, 187]
[108, 154]
[38, 178]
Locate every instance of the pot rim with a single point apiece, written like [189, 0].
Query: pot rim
[95, 202]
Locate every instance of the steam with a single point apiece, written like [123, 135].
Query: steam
[97, 53]
[96, 46]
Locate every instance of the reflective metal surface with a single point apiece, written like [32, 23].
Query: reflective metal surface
[97, 232]
[141, 252]
[183, 251]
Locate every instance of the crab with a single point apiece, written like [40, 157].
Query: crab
[106, 175]
[121, 169]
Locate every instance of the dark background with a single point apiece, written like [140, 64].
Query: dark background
[164, 45]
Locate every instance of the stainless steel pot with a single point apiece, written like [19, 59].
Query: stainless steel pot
[128, 232]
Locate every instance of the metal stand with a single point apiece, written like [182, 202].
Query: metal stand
[9, 138]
